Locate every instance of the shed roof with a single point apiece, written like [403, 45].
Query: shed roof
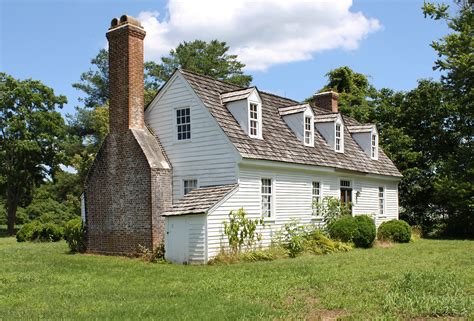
[200, 200]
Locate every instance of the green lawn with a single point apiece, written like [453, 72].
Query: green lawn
[424, 279]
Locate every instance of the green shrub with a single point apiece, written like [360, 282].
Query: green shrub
[318, 243]
[36, 231]
[394, 230]
[152, 256]
[241, 232]
[365, 232]
[74, 235]
[29, 231]
[359, 229]
[297, 239]
[342, 228]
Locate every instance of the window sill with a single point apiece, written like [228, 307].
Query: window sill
[269, 220]
[317, 218]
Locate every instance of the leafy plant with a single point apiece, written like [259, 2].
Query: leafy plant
[74, 235]
[365, 231]
[359, 229]
[297, 239]
[37, 231]
[394, 230]
[152, 256]
[331, 208]
[342, 229]
[241, 231]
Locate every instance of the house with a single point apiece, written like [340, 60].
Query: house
[203, 147]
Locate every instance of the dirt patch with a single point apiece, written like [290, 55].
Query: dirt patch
[383, 244]
[310, 309]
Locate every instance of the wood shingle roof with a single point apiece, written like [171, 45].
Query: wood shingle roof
[279, 143]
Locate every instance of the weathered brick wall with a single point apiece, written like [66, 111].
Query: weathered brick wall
[118, 198]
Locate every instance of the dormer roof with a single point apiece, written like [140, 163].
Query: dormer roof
[237, 95]
[290, 110]
[279, 143]
[326, 118]
[365, 128]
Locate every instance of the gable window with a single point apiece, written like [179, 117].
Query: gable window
[346, 193]
[373, 150]
[254, 124]
[316, 198]
[381, 201]
[183, 123]
[308, 132]
[339, 142]
[189, 185]
[267, 197]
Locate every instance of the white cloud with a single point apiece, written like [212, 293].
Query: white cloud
[262, 33]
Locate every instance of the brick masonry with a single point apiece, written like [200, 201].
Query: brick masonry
[129, 183]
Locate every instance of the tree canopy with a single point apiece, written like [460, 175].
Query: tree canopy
[207, 58]
[427, 131]
[32, 133]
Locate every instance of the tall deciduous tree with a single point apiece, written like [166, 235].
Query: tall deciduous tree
[31, 137]
[208, 58]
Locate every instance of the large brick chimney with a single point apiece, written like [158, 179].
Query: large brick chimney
[327, 100]
[126, 101]
[129, 185]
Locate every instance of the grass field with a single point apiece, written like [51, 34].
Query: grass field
[425, 279]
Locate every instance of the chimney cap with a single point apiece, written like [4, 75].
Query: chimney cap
[124, 19]
[329, 92]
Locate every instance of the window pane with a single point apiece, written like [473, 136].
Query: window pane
[183, 122]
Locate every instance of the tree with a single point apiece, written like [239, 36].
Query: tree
[456, 60]
[95, 82]
[355, 92]
[208, 58]
[31, 136]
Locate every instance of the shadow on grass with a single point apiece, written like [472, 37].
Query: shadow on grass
[4, 231]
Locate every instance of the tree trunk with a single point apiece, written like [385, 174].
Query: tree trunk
[12, 204]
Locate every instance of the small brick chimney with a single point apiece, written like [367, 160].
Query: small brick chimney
[327, 100]
[126, 101]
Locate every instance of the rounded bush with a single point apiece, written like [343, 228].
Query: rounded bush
[28, 231]
[74, 235]
[342, 229]
[36, 231]
[394, 230]
[365, 232]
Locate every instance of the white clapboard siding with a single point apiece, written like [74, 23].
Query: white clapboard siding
[208, 157]
[293, 199]
[196, 225]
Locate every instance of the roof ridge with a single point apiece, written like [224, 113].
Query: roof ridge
[210, 77]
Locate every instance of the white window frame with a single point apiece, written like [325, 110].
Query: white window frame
[341, 137]
[309, 132]
[374, 146]
[258, 120]
[272, 199]
[315, 210]
[176, 131]
[183, 189]
[381, 201]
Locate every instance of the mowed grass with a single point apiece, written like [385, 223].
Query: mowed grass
[425, 279]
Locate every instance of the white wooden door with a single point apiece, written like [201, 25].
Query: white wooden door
[176, 240]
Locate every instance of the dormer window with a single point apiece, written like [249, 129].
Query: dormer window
[374, 146]
[308, 131]
[246, 107]
[339, 142]
[254, 120]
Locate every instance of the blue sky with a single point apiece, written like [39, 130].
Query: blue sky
[53, 40]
